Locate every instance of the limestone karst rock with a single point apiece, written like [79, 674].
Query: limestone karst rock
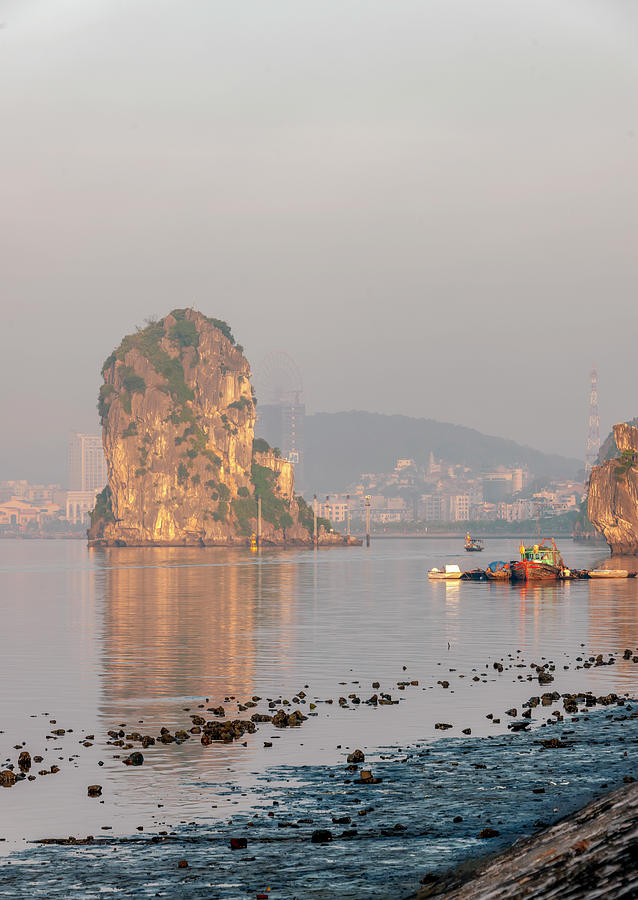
[612, 505]
[178, 418]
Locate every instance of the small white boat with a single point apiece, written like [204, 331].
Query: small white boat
[449, 573]
[609, 573]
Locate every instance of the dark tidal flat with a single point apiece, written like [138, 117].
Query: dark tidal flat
[390, 834]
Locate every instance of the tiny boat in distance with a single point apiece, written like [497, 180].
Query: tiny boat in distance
[498, 571]
[473, 545]
[609, 573]
[449, 573]
[538, 563]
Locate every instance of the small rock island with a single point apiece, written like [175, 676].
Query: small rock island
[612, 505]
[178, 417]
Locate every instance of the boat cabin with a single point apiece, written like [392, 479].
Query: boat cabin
[546, 552]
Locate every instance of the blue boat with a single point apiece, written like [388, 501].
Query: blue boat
[498, 571]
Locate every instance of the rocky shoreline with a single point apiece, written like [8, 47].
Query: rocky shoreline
[593, 852]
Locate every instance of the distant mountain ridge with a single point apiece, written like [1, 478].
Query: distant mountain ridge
[340, 446]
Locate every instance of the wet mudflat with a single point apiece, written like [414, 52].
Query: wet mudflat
[322, 832]
[102, 650]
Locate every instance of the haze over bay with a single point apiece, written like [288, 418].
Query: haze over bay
[428, 208]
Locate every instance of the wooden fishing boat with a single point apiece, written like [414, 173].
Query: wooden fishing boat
[449, 573]
[542, 562]
[609, 573]
[474, 575]
[473, 545]
[498, 571]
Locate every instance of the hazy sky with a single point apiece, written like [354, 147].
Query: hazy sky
[432, 206]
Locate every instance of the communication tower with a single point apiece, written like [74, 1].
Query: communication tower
[593, 432]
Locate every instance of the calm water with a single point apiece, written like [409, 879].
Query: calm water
[95, 638]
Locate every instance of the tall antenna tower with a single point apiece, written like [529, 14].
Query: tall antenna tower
[593, 432]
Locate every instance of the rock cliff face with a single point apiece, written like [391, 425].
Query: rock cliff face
[613, 494]
[178, 419]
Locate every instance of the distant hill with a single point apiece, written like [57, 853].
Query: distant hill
[340, 446]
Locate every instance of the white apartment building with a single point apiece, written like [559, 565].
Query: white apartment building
[87, 465]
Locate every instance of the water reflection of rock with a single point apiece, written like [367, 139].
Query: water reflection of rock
[182, 623]
[613, 606]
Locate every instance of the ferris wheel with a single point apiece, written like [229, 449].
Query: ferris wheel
[278, 379]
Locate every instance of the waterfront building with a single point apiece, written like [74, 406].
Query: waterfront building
[335, 508]
[34, 493]
[87, 465]
[87, 476]
[78, 506]
[17, 513]
[458, 508]
[497, 486]
[432, 508]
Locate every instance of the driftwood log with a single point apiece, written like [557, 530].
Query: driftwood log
[592, 853]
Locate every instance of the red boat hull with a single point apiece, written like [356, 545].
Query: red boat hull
[528, 570]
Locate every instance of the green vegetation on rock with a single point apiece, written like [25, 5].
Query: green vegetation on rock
[103, 509]
[627, 459]
[273, 508]
[222, 511]
[306, 517]
[185, 333]
[131, 382]
[244, 509]
[240, 404]
[103, 402]
[261, 446]
[130, 430]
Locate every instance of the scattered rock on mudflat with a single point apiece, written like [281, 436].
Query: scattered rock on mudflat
[321, 836]
[357, 756]
[488, 833]
[135, 759]
[238, 843]
[367, 778]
